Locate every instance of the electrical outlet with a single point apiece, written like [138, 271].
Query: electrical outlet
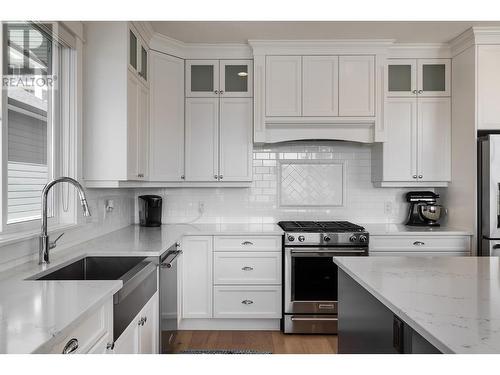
[388, 207]
[201, 207]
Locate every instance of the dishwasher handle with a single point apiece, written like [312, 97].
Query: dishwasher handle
[166, 263]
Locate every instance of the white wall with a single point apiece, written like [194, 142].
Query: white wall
[259, 203]
[98, 224]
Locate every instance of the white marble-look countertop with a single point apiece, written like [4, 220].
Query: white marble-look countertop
[404, 230]
[34, 312]
[453, 302]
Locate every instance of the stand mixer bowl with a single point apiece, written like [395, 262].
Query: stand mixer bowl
[430, 212]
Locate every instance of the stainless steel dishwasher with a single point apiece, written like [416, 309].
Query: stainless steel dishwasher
[168, 297]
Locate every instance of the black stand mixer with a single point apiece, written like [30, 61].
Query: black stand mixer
[424, 211]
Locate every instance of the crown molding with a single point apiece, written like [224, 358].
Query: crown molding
[319, 47]
[145, 29]
[420, 50]
[476, 35]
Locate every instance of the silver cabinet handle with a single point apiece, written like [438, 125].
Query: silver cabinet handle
[175, 254]
[140, 175]
[216, 177]
[221, 92]
[414, 91]
[418, 243]
[221, 177]
[216, 92]
[70, 347]
[110, 345]
[420, 176]
[247, 243]
[140, 322]
[414, 176]
[183, 177]
[246, 268]
[145, 320]
[420, 91]
[247, 302]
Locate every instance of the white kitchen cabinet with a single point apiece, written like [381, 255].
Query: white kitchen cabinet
[434, 139]
[202, 139]
[202, 78]
[356, 86]
[166, 140]
[417, 151]
[115, 105]
[320, 80]
[138, 54]
[197, 285]
[488, 87]
[235, 139]
[418, 77]
[142, 334]
[247, 267]
[283, 86]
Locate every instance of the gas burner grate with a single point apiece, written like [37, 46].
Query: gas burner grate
[320, 226]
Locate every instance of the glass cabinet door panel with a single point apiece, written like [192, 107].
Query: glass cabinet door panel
[202, 78]
[236, 78]
[434, 77]
[400, 78]
[132, 50]
[144, 63]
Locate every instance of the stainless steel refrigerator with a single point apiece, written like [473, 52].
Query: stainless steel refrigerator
[489, 194]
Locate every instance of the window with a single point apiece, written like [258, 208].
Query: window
[37, 82]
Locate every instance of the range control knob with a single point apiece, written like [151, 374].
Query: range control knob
[291, 238]
[326, 238]
[353, 238]
[301, 238]
[363, 238]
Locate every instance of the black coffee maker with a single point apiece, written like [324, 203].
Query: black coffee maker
[423, 210]
[150, 210]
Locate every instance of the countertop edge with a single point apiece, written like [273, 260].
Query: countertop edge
[400, 313]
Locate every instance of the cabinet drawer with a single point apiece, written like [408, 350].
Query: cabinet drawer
[420, 253]
[247, 267]
[90, 331]
[247, 243]
[419, 243]
[247, 302]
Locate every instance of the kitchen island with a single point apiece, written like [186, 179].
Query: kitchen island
[419, 304]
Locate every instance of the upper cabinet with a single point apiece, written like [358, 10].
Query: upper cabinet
[357, 86]
[211, 78]
[116, 104]
[320, 92]
[283, 86]
[422, 77]
[488, 87]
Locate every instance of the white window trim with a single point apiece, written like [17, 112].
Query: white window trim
[72, 114]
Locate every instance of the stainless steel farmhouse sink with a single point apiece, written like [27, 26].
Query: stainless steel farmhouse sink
[138, 275]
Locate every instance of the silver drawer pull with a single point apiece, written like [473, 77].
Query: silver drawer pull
[247, 302]
[246, 268]
[70, 347]
[247, 243]
[326, 306]
[418, 243]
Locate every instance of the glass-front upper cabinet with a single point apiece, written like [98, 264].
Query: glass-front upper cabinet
[236, 78]
[132, 50]
[418, 77]
[138, 54]
[202, 78]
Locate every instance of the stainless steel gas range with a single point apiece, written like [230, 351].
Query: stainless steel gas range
[310, 276]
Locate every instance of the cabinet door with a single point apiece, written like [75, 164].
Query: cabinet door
[400, 148]
[236, 78]
[283, 85]
[197, 281]
[320, 79]
[235, 162]
[149, 330]
[133, 43]
[143, 132]
[167, 118]
[202, 122]
[143, 71]
[488, 87]
[202, 78]
[128, 342]
[356, 86]
[401, 77]
[434, 139]
[132, 126]
[434, 77]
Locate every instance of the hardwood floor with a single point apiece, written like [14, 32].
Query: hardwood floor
[262, 341]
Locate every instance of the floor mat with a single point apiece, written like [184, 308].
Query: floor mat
[221, 351]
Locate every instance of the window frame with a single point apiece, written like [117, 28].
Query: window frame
[63, 136]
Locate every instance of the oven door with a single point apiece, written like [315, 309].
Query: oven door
[311, 279]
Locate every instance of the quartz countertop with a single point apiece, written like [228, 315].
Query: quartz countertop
[453, 302]
[404, 230]
[32, 313]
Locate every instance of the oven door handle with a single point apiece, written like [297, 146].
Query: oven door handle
[308, 319]
[326, 253]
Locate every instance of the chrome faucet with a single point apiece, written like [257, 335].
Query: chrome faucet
[45, 244]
